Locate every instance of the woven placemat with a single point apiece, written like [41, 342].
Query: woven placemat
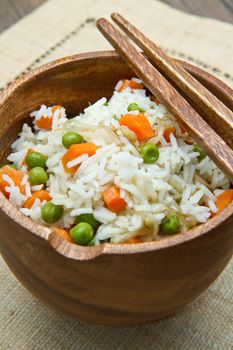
[60, 28]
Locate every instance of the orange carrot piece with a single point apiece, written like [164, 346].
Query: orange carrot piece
[47, 122]
[133, 241]
[75, 151]
[189, 141]
[139, 124]
[167, 132]
[42, 195]
[54, 108]
[15, 175]
[113, 200]
[129, 83]
[62, 233]
[223, 200]
[44, 122]
[27, 153]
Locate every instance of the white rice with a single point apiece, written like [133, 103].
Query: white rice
[151, 191]
[77, 161]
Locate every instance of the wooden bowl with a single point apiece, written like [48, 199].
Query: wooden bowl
[108, 284]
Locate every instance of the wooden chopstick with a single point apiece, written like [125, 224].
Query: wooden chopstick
[212, 143]
[214, 111]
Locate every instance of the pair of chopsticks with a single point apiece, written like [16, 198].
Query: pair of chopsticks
[162, 75]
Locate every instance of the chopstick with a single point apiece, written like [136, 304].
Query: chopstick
[215, 112]
[211, 142]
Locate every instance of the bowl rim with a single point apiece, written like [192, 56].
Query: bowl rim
[73, 251]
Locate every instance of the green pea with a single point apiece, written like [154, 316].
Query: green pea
[202, 153]
[82, 233]
[89, 218]
[37, 176]
[51, 213]
[170, 225]
[149, 153]
[35, 159]
[135, 107]
[106, 103]
[71, 138]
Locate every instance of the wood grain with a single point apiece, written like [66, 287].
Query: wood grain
[204, 135]
[215, 113]
[13, 10]
[108, 284]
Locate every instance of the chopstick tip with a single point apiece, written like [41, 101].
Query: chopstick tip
[119, 20]
[100, 22]
[114, 15]
[117, 17]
